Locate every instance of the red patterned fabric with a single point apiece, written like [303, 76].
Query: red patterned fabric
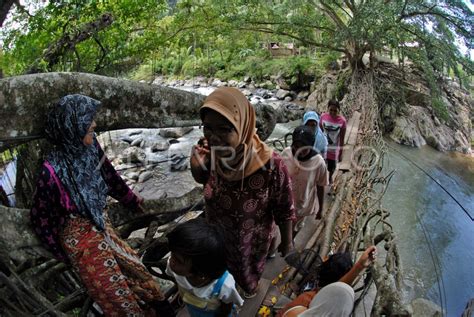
[110, 270]
[52, 204]
[247, 212]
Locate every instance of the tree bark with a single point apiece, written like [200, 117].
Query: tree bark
[125, 104]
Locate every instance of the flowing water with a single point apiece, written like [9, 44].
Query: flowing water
[8, 180]
[435, 235]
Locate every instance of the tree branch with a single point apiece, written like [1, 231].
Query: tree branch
[322, 28]
[326, 8]
[431, 11]
[68, 42]
[104, 54]
[305, 41]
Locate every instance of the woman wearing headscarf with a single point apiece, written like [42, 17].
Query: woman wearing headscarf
[68, 212]
[246, 185]
[311, 119]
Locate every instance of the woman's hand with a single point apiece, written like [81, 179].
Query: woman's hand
[200, 157]
[200, 154]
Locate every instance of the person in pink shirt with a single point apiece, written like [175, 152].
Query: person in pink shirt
[308, 174]
[334, 126]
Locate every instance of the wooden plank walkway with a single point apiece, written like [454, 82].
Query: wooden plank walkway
[349, 142]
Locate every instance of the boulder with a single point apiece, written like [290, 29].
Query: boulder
[281, 82]
[145, 176]
[137, 142]
[246, 92]
[175, 132]
[302, 95]
[324, 91]
[282, 93]
[266, 120]
[136, 132]
[405, 132]
[132, 175]
[159, 146]
[133, 155]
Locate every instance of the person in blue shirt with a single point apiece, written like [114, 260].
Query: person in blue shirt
[311, 119]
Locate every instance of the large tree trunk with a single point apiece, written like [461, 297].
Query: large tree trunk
[24, 101]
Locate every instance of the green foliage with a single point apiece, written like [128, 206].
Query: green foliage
[440, 109]
[26, 38]
[211, 37]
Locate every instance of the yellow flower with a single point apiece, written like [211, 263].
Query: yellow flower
[264, 311]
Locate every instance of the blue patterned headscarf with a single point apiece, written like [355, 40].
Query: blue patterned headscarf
[321, 143]
[75, 164]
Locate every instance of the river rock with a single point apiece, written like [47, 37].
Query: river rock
[241, 84]
[126, 139]
[282, 84]
[288, 98]
[175, 132]
[266, 120]
[137, 142]
[145, 176]
[265, 94]
[132, 175]
[302, 95]
[405, 132]
[246, 92]
[323, 92]
[217, 83]
[233, 83]
[133, 155]
[282, 93]
[135, 133]
[124, 167]
[158, 81]
[160, 146]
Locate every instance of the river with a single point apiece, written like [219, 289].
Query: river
[434, 234]
[8, 180]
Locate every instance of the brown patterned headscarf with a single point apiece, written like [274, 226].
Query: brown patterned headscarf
[251, 154]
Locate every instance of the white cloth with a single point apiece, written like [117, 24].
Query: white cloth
[333, 300]
[228, 293]
[305, 176]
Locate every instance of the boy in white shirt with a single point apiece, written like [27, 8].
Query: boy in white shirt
[198, 264]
